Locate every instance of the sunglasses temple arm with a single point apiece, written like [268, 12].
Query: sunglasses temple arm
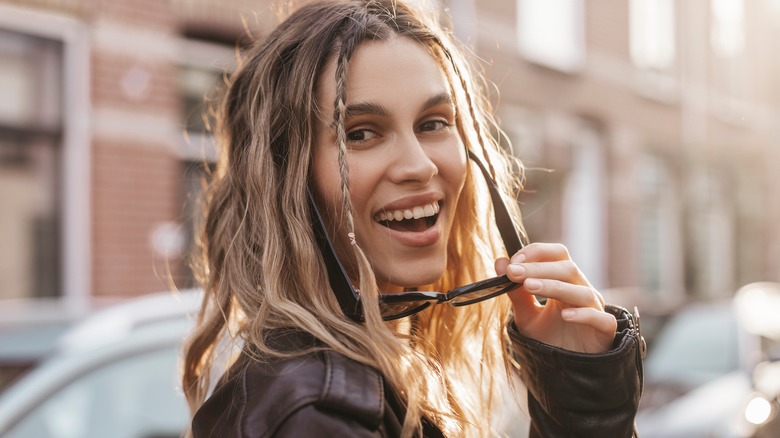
[506, 227]
[345, 292]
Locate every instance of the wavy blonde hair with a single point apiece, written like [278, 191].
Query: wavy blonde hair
[258, 262]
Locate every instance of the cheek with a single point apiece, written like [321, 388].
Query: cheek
[365, 172]
[326, 180]
[327, 189]
[453, 167]
[363, 177]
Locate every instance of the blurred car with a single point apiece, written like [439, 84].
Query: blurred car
[701, 376]
[113, 375]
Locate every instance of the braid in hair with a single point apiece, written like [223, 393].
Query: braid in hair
[349, 41]
[348, 44]
[464, 83]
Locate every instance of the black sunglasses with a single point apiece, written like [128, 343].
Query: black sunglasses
[399, 305]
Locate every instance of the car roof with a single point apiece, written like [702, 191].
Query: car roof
[70, 365]
[118, 321]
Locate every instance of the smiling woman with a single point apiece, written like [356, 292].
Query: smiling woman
[356, 152]
[404, 153]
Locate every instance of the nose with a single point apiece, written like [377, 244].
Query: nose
[411, 163]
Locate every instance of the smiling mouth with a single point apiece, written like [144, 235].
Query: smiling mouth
[415, 219]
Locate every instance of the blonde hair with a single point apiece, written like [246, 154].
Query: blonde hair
[258, 261]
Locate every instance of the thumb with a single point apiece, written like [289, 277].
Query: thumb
[501, 265]
[523, 303]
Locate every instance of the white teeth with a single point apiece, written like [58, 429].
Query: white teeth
[417, 212]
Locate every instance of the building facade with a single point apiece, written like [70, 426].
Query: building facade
[649, 129]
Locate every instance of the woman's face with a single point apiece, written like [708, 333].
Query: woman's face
[407, 163]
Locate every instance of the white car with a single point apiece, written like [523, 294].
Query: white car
[710, 374]
[114, 375]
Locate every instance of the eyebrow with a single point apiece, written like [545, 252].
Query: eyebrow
[362, 108]
[359, 109]
[441, 98]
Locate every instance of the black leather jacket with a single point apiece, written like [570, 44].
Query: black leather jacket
[327, 395]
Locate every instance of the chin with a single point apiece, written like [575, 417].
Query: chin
[413, 276]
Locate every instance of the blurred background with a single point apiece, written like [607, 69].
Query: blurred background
[650, 132]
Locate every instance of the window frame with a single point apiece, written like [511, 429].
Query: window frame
[75, 183]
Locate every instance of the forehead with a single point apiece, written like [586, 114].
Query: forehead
[391, 71]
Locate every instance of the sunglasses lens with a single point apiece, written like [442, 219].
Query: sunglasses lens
[401, 309]
[481, 294]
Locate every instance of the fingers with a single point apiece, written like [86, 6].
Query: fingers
[601, 321]
[545, 270]
[523, 303]
[574, 295]
[544, 260]
[564, 270]
[541, 252]
[573, 317]
[501, 265]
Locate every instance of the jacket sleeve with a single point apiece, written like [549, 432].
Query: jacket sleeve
[312, 421]
[583, 395]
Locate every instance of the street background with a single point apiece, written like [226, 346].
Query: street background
[650, 132]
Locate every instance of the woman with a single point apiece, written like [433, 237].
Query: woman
[357, 155]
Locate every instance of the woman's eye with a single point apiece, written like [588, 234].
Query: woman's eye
[434, 125]
[360, 135]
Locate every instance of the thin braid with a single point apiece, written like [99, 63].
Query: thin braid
[339, 116]
[467, 92]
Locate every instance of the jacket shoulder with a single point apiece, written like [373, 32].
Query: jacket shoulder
[257, 398]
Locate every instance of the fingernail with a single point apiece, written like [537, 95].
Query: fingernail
[566, 313]
[532, 284]
[516, 270]
[518, 258]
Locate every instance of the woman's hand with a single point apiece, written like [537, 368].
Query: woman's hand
[573, 317]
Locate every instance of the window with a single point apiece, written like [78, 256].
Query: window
[552, 33]
[653, 47]
[711, 236]
[585, 204]
[727, 38]
[44, 153]
[660, 251]
[728, 31]
[652, 34]
[202, 68]
[30, 165]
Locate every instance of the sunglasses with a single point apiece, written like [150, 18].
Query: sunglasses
[399, 305]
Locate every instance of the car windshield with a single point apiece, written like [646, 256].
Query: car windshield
[128, 398]
[698, 345]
